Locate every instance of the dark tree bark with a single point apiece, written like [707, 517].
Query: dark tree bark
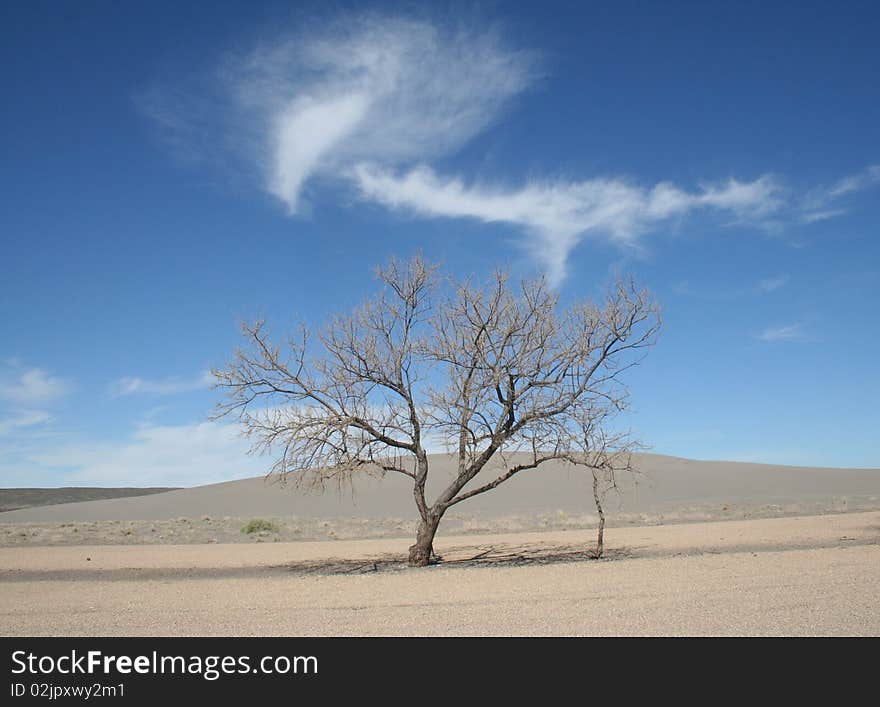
[421, 553]
[600, 535]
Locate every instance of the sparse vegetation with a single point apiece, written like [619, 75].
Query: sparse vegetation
[260, 525]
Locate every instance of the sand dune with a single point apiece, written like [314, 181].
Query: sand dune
[665, 484]
[12, 499]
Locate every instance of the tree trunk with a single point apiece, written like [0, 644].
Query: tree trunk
[421, 554]
[600, 537]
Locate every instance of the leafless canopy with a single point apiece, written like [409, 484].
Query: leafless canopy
[486, 371]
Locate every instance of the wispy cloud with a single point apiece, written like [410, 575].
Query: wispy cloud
[167, 386]
[771, 284]
[823, 203]
[857, 182]
[23, 420]
[373, 101]
[370, 88]
[152, 454]
[789, 332]
[559, 215]
[822, 215]
[183, 455]
[33, 386]
[710, 291]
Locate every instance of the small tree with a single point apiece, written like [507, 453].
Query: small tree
[606, 456]
[492, 372]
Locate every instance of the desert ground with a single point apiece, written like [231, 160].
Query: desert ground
[696, 548]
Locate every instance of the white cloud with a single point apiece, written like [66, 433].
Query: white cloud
[152, 455]
[771, 284]
[816, 216]
[819, 204]
[749, 200]
[374, 100]
[22, 420]
[370, 88]
[306, 131]
[557, 216]
[33, 386]
[168, 386]
[857, 182]
[789, 332]
[183, 455]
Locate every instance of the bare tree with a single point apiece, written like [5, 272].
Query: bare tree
[607, 456]
[495, 372]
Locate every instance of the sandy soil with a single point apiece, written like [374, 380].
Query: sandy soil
[817, 575]
[668, 490]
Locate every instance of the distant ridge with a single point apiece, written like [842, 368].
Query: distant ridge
[12, 499]
[666, 484]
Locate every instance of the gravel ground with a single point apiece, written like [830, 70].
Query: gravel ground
[810, 576]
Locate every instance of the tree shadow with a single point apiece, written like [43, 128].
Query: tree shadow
[481, 556]
[495, 556]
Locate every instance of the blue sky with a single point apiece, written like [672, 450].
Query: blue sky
[168, 171]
